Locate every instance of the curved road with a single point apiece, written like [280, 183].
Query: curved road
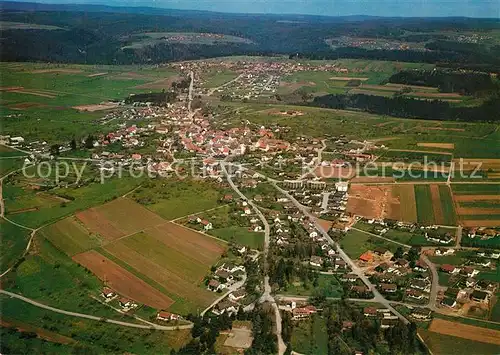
[88, 316]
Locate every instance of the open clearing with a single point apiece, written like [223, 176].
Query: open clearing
[466, 331]
[98, 107]
[122, 281]
[373, 202]
[406, 196]
[437, 145]
[118, 218]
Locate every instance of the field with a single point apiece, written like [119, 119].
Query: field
[152, 38]
[310, 336]
[465, 331]
[425, 205]
[328, 286]
[477, 205]
[13, 242]
[70, 236]
[172, 199]
[356, 243]
[122, 281]
[373, 202]
[145, 258]
[446, 344]
[49, 92]
[240, 235]
[408, 208]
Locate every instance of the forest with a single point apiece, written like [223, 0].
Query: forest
[103, 35]
[406, 107]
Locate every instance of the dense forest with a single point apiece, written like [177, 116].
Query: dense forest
[101, 35]
[465, 83]
[406, 107]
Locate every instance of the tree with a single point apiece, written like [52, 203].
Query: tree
[89, 142]
[54, 149]
[73, 144]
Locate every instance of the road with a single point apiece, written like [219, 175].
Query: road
[88, 316]
[355, 269]
[266, 296]
[190, 93]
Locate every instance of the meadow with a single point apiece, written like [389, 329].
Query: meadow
[310, 336]
[356, 243]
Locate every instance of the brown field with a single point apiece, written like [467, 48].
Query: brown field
[96, 74]
[434, 94]
[436, 204]
[10, 88]
[493, 175]
[120, 211]
[373, 202]
[480, 223]
[483, 164]
[464, 198]
[347, 78]
[375, 179]
[122, 281]
[378, 87]
[437, 145]
[96, 223]
[60, 70]
[477, 211]
[98, 107]
[324, 223]
[159, 84]
[181, 275]
[406, 196]
[465, 331]
[334, 172]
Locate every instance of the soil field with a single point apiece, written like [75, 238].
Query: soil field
[436, 204]
[463, 198]
[477, 211]
[465, 331]
[437, 145]
[406, 196]
[373, 202]
[178, 275]
[375, 179]
[480, 223]
[160, 84]
[63, 71]
[446, 129]
[96, 223]
[326, 225]
[482, 164]
[35, 93]
[122, 281]
[98, 107]
[421, 88]
[119, 212]
[96, 74]
[26, 105]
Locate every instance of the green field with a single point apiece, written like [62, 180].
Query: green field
[240, 235]
[43, 208]
[447, 206]
[70, 236]
[425, 210]
[13, 242]
[356, 243]
[310, 336]
[327, 286]
[477, 189]
[172, 199]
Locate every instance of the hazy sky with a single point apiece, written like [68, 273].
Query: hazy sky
[469, 8]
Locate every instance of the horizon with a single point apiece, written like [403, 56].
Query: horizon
[374, 8]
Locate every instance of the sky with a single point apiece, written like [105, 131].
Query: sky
[404, 8]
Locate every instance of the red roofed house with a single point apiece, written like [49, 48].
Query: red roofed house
[167, 316]
[450, 269]
[366, 256]
[303, 312]
[136, 156]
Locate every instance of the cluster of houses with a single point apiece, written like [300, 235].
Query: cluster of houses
[224, 276]
[231, 304]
